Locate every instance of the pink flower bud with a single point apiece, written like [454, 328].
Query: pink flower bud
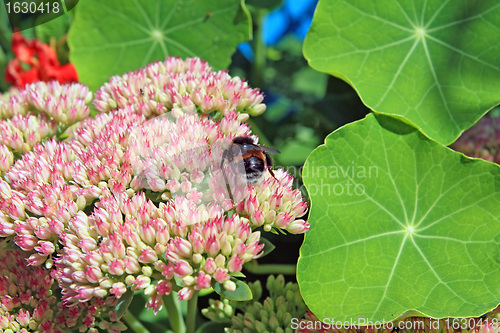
[162, 235]
[116, 267]
[173, 185]
[148, 255]
[298, 227]
[182, 268]
[164, 287]
[251, 205]
[36, 259]
[283, 220]
[84, 293]
[23, 317]
[132, 265]
[154, 302]
[235, 264]
[197, 241]
[45, 248]
[147, 233]
[181, 246]
[212, 246]
[186, 186]
[258, 218]
[185, 293]
[26, 242]
[210, 266]
[221, 275]
[202, 281]
[141, 282]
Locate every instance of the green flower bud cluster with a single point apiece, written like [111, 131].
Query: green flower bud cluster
[221, 311]
[275, 313]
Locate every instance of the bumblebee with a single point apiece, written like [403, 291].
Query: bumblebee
[253, 158]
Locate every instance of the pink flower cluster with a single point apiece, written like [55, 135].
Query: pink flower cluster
[274, 203]
[29, 116]
[29, 303]
[135, 198]
[129, 242]
[175, 83]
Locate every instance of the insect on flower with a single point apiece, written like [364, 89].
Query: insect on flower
[254, 158]
[182, 155]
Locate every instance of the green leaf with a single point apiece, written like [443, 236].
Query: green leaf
[117, 36]
[398, 222]
[55, 28]
[434, 62]
[5, 47]
[268, 246]
[241, 293]
[267, 4]
[205, 292]
[123, 303]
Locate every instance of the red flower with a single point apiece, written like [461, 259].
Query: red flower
[41, 60]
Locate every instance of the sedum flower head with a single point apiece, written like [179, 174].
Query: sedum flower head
[130, 242]
[29, 302]
[175, 83]
[141, 198]
[63, 103]
[39, 111]
[274, 203]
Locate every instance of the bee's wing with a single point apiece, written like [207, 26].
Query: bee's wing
[160, 155]
[270, 150]
[147, 143]
[228, 172]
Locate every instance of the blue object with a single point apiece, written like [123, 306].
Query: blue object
[301, 9]
[294, 16]
[276, 24]
[303, 28]
[246, 50]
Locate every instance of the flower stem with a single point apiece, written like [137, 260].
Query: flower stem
[174, 314]
[133, 323]
[260, 50]
[287, 269]
[191, 313]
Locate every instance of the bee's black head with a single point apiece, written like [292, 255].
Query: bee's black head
[243, 140]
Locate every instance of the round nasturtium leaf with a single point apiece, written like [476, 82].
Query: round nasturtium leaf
[116, 36]
[434, 62]
[398, 223]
